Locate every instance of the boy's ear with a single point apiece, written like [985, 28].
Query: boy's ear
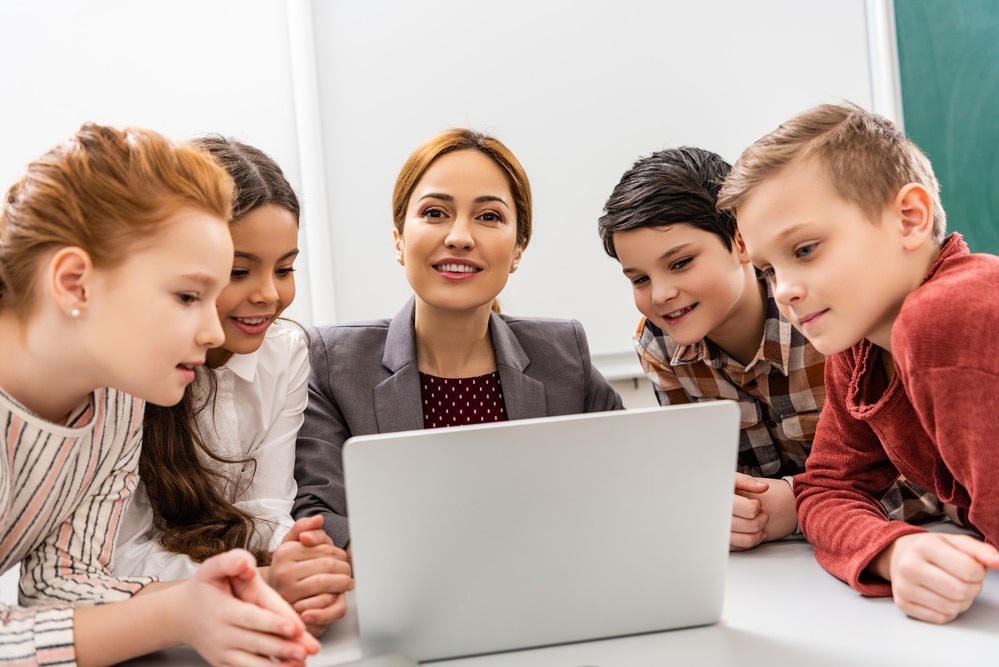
[914, 207]
[70, 270]
[740, 246]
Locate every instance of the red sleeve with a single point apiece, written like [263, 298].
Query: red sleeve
[945, 353]
[838, 495]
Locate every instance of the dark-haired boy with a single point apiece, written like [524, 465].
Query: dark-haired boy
[713, 331]
[841, 211]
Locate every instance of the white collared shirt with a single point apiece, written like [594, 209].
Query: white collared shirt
[258, 410]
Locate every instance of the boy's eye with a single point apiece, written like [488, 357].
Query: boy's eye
[640, 280]
[681, 264]
[187, 299]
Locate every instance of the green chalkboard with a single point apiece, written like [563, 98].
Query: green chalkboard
[948, 53]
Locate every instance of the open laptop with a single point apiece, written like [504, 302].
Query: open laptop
[527, 533]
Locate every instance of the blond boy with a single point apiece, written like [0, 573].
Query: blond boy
[841, 212]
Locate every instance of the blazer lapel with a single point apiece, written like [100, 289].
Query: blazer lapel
[523, 395]
[398, 402]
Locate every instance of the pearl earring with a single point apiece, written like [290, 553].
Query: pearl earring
[398, 257]
[75, 312]
[516, 265]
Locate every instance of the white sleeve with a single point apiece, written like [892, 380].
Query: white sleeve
[271, 494]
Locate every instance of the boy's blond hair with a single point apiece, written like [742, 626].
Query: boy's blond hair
[868, 160]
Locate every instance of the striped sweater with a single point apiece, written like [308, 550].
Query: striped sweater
[62, 493]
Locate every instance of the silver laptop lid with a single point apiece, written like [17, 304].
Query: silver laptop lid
[542, 531]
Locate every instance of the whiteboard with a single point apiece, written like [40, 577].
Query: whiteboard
[578, 91]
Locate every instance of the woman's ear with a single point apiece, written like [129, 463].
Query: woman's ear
[400, 247]
[70, 271]
[913, 207]
[517, 254]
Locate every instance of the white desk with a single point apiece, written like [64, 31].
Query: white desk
[781, 608]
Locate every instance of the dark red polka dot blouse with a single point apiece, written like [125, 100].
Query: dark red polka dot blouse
[461, 401]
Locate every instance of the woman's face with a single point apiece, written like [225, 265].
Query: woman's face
[459, 241]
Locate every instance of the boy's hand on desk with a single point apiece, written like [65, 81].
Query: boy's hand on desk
[762, 510]
[749, 516]
[312, 574]
[935, 576]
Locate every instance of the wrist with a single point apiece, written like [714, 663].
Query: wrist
[797, 525]
[265, 573]
[880, 565]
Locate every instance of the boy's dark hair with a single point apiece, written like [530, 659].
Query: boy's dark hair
[668, 187]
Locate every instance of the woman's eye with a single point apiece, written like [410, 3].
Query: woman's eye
[490, 216]
[433, 213]
[285, 272]
[187, 299]
[238, 274]
[768, 273]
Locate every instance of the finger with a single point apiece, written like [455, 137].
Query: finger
[749, 483]
[926, 603]
[301, 526]
[957, 557]
[982, 552]
[229, 565]
[754, 526]
[320, 601]
[301, 551]
[320, 584]
[242, 658]
[294, 573]
[268, 647]
[323, 616]
[744, 541]
[929, 614]
[933, 584]
[258, 619]
[745, 508]
[319, 537]
[268, 610]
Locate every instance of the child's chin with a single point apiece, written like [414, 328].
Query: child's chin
[827, 347]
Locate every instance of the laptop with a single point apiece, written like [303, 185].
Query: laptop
[520, 534]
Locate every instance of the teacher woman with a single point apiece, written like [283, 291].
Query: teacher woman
[462, 214]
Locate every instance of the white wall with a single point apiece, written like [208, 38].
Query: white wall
[183, 67]
[339, 92]
[578, 90]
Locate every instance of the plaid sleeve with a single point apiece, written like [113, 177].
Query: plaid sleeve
[907, 502]
[654, 357]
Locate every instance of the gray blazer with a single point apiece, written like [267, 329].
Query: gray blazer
[365, 380]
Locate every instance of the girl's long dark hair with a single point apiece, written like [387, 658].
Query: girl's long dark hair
[190, 508]
[188, 498]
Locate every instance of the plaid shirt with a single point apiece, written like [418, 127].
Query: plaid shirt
[780, 396]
